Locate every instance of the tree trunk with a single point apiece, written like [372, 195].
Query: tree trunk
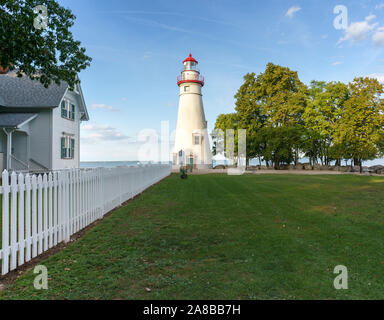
[276, 163]
[361, 165]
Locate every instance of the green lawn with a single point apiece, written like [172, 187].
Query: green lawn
[228, 237]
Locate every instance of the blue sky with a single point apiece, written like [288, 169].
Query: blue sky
[138, 48]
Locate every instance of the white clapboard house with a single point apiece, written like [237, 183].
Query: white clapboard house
[39, 127]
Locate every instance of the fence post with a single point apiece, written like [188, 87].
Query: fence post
[119, 174]
[5, 226]
[103, 197]
[28, 217]
[67, 216]
[101, 211]
[34, 217]
[50, 211]
[21, 237]
[45, 206]
[55, 208]
[40, 213]
[13, 220]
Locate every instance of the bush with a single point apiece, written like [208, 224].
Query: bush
[183, 173]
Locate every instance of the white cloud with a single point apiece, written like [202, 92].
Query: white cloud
[370, 17]
[378, 76]
[379, 6]
[99, 132]
[102, 106]
[378, 37]
[336, 63]
[358, 31]
[292, 10]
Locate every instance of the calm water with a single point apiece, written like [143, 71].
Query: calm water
[110, 164]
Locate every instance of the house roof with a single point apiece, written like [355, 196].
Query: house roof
[15, 120]
[24, 92]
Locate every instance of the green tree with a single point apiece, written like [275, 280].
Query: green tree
[47, 54]
[321, 116]
[282, 144]
[281, 99]
[282, 96]
[273, 99]
[361, 127]
[250, 116]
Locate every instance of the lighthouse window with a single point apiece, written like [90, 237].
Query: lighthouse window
[186, 89]
[196, 139]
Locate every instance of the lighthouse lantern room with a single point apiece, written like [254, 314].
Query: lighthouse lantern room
[192, 141]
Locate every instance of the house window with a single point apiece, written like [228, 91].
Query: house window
[186, 89]
[67, 110]
[67, 148]
[196, 139]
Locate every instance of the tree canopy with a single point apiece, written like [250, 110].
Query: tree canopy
[38, 43]
[326, 121]
[361, 127]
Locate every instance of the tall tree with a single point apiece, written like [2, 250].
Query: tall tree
[250, 116]
[281, 99]
[38, 43]
[361, 127]
[321, 116]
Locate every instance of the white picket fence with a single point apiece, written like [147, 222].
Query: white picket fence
[40, 211]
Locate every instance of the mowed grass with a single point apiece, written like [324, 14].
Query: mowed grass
[228, 237]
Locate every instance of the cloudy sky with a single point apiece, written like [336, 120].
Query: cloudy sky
[138, 48]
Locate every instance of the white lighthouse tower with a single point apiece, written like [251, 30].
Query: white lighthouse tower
[192, 141]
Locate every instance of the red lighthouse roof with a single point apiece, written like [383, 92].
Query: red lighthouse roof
[190, 58]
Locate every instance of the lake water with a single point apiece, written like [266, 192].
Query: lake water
[110, 164]
[254, 162]
[107, 164]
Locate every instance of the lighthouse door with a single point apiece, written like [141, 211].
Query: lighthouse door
[191, 162]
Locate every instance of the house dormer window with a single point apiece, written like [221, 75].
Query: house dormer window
[67, 147]
[67, 110]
